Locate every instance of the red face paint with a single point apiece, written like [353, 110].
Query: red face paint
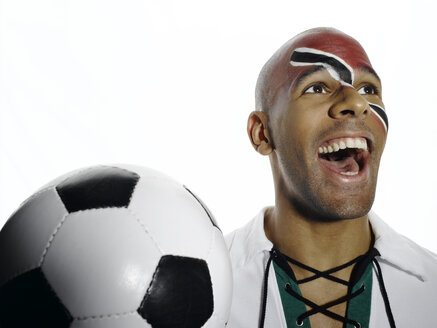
[332, 42]
[340, 54]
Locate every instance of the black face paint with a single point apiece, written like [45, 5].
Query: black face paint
[337, 68]
[303, 58]
[380, 113]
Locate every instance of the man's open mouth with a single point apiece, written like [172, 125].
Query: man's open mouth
[345, 156]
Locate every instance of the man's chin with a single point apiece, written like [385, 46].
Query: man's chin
[346, 209]
[324, 200]
[338, 202]
[349, 213]
[331, 210]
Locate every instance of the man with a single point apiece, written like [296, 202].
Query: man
[318, 258]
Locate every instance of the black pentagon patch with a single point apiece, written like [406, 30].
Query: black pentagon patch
[29, 301]
[98, 187]
[208, 212]
[180, 294]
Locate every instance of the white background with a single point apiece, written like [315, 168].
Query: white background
[169, 85]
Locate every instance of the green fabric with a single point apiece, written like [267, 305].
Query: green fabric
[358, 308]
[291, 305]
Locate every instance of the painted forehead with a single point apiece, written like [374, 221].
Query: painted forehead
[339, 54]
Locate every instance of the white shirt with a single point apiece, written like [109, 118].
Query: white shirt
[409, 272]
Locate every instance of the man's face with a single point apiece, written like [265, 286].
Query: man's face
[328, 127]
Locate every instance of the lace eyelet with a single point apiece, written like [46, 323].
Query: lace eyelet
[300, 324]
[359, 325]
[364, 288]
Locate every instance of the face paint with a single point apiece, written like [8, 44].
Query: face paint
[380, 113]
[339, 55]
[336, 67]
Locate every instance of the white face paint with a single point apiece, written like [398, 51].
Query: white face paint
[336, 67]
[332, 70]
[380, 114]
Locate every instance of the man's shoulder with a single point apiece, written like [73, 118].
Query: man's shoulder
[427, 257]
[238, 242]
[245, 242]
[402, 251]
[235, 238]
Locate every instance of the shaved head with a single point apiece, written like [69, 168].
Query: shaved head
[279, 72]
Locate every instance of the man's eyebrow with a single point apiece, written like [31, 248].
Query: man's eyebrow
[308, 72]
[370, 70]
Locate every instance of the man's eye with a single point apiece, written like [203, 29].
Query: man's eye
[367, 90]
[316, 88]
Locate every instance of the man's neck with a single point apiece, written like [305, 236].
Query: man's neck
[322, 245]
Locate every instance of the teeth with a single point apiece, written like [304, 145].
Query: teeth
[363, 145]
[344, 143]
[349, 173]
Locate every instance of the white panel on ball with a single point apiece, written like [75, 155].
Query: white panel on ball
[100, 255]
[36, 220]
[123, 320]
[221, 276]
[172, 214]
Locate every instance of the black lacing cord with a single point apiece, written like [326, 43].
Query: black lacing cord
[326, 274]
[265, 285]
[378, 272]
[323, 308]
[315, 308]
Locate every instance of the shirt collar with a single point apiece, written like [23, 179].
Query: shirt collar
[257, 240]
[395, 249]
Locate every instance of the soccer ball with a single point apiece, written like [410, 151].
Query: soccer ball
[113, 247]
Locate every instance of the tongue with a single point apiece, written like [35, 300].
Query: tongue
[348, 164]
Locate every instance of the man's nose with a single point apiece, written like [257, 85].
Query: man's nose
[349, 104]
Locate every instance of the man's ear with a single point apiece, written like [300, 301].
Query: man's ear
[258, 132]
